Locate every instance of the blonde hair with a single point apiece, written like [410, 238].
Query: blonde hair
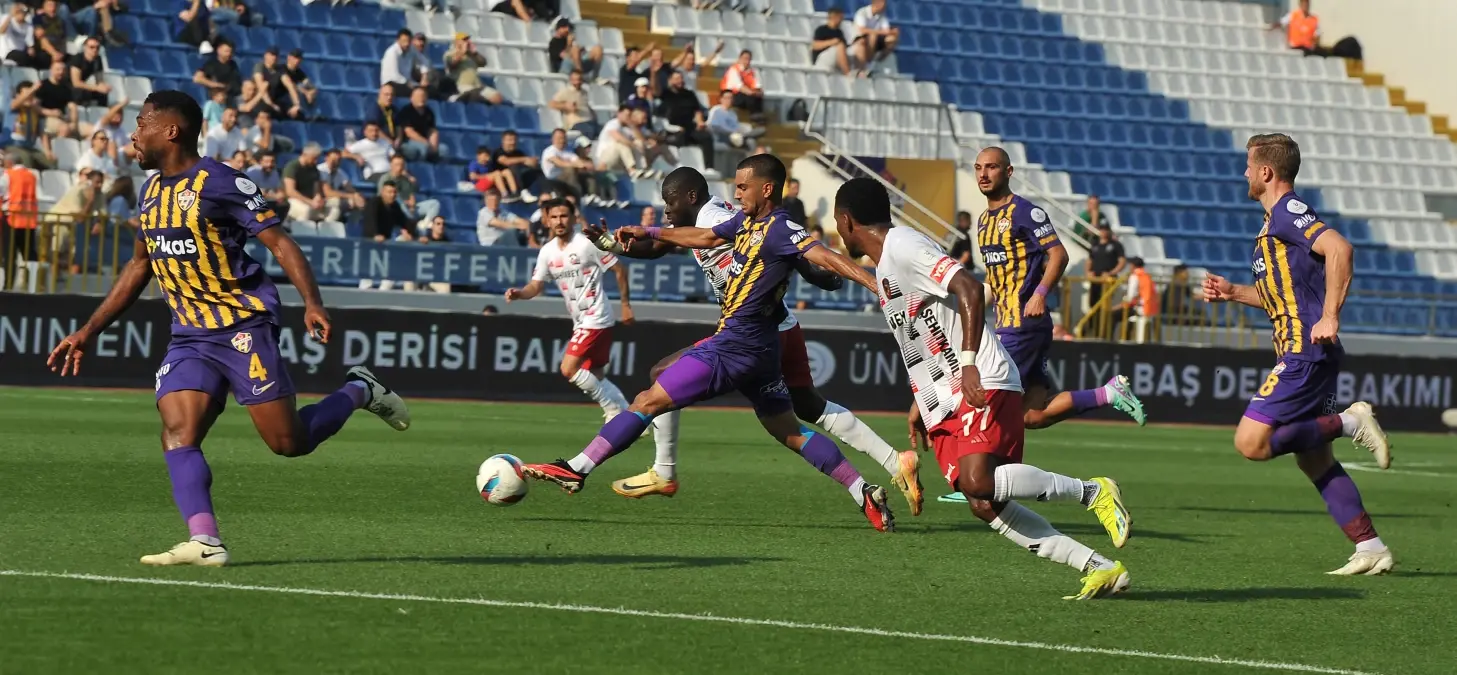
[1277, 151]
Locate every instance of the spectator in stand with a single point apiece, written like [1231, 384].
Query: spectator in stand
[337, 187]
[620, 147]
[743, 82]
[120, 139]
[58, 102]
[655, 145]
[421, 72]
[395, 65]
[526, 10]
[1177, 299]
[648, 217]
[680, 107]
[1105, 262]
[79, 208]
[225, 139]
[562, 169]
[565, 54]
[48, 17]
[658, 72]
[642, 96]
[574, 105]
[437, 233]
[194, 23]
[98, 157]
[86, 69]
[461, 62]
[17, 35]
[383, 114]
[212, 111]
[266, 176]
[1142, 300]
[723, 123]
[231, 12]
[875, 38]
[417, 126]
[268, 77]
[421, 210]
[220, 71]
[304, 94]
[487, 177]
[384, 215]
[1093, 214]
[29, 144]
[527, 169]
[792, 204]
[17, 187]
[1302, 30]
[95, 19]
[372, 152]
[687, 64]
[634, 65]
[961, 248]
[828, 48]
[302, 186]
[121, 206]
[263, 139]
[492, 224]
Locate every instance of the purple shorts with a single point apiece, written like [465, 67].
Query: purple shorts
[1295, 391]
[722, 364]
[245, 361]
[1028, 350]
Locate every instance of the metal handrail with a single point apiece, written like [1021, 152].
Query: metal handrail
[832, 154]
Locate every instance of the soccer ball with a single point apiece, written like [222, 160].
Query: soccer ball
[500, 481]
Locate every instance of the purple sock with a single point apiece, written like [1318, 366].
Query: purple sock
[1305, 435]
[1089, 399]
[191, 489]
[823, 454]
[327, 417]
[1343, 501]
[618, 434]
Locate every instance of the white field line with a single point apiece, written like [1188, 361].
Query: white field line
[705, 618]
[1372, 468]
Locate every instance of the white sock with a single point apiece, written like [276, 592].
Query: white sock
[1031, 531]
[206, 539]
[582, 463]
[1370, 545]
[618, 401]
[848, 428]
[665, 434]
[1349, 424]
[1024, 481]
[858, 492]
[600, 391]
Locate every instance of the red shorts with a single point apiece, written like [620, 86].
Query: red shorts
[794, 359]
[593, 345]
[993, 430]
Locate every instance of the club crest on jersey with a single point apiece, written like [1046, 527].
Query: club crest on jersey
[1279, 368]
[756, 238]
[243, 342]
[572, 259]
[1004, 224]
[185, 199]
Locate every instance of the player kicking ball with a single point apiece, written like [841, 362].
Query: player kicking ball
[743, 355]
[687, 203]
[1302, 269]
[968, 392]
[196, 214]
[574, 263]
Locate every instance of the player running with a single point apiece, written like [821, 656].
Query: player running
[1024, 261]
[1302, 269]
[574, 263]
[687, 200]
[196, 214]
[744, 354]
[968, 393]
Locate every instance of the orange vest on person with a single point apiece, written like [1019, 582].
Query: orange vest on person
[23, 204]
[1147, 301]
[1302, 28]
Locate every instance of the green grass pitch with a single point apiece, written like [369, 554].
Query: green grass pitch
[1227, 561]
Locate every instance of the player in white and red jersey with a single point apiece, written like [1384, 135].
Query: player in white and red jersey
[574, 263]
[686, 200]
[968, 394]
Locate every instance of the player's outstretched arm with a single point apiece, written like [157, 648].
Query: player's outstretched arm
[527, 292]
[1220, 289]
[134, 277]
[819, 276]
[687, 237]
[1339, 257]
[971, 306]
[291, 258]
[605, 240]
[841, 266]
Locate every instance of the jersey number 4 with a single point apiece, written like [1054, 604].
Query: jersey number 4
[256, 371]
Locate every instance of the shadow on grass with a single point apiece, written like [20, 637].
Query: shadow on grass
[1242, 594]
[1279, 512]
[657, 562]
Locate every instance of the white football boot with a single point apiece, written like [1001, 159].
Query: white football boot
[1369, 563]
[383, 401]
[190, 552]
[1369, 435]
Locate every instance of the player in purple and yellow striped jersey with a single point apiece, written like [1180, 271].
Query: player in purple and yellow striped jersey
[196, 214]
[1302, 270]
[1024, 261]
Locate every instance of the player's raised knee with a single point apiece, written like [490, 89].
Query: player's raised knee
[977, 486]
[651, 402]
[1252, 447]
[287, 445]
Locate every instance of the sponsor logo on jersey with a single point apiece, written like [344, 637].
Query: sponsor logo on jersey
[1043, 231]
[255, 202]
[172, 247]
[943, 266]
[1258, 267]
[1304, 220]
[243, 342]
[186, 199]
[995, 257]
